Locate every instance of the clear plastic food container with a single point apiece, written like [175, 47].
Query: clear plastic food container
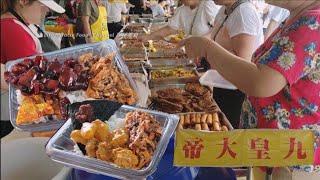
[62, 149]
[101, 49]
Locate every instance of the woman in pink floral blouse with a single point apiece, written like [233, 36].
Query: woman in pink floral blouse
[283, 80]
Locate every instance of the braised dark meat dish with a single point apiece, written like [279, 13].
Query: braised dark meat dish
[85, 113]
[194, 98]
[38, 75]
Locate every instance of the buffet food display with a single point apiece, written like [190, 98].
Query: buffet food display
[88, 93]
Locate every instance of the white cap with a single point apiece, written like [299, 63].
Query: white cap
[51, 4]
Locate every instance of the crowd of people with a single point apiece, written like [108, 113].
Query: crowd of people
[264, 57]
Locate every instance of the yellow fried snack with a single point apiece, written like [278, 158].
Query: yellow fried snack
[32, 109]
[92, 147]
[145, 158]
[102, 132]
[88, 130]
[125, 158]
[170, 73]
[120, 138]
[104, 152]
[77, 137]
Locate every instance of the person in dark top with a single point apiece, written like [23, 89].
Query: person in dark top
[140, 7]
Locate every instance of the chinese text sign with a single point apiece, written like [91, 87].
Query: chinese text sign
[273, 148]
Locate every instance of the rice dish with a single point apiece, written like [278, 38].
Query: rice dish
[115, 123]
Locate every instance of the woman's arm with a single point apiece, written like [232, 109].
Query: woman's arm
[243, 45]
[258, 81]
[159, 34]
[86, 28]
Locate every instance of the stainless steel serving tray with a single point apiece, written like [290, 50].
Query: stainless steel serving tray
[152, 20]
[169, 62]
[154, 89]
[173, 80]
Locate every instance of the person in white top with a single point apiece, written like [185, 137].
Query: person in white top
[195, 17]
[158, 8]
[275, 17]
[238, 29]
[12, 12]
[115, 9]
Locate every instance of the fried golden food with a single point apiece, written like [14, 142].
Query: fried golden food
[144, 158]
[87, 60]
[125, 158]
[92, 147]
[120, 138]
[77, 137]
[33, 108]
[172, 73]
[102, 132]
[107, 82]
[208, 122]
[88, 130]
[104, 151]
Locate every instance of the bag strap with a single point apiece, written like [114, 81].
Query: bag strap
[15, 14]
[228, 13]
[193, 20]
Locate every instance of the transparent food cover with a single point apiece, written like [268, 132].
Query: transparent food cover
[101, 49]
[62, 149]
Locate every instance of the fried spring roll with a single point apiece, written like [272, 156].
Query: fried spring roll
[204, 118]
[187, 119]
[215, 117]
[193, 118]
[181, 122]
[216, 126]
[198, 118]
[224, 128]
[204, 126]
[209, 120]
[197, 127]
